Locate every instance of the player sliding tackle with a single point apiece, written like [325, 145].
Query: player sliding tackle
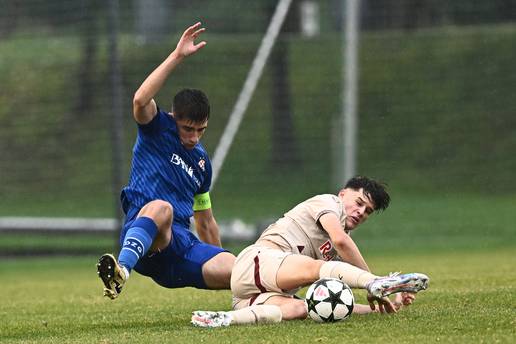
[311, 241]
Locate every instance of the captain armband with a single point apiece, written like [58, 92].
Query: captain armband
[202, 201]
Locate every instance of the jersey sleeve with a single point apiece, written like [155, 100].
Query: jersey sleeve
[323, 204]
[160, 122]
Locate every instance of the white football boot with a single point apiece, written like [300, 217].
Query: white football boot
[211, 319]
[395, 283]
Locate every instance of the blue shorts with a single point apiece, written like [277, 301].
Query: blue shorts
[180, 264]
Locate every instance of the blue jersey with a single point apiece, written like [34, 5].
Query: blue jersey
[162, 168]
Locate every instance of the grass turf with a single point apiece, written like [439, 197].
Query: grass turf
[471, 299]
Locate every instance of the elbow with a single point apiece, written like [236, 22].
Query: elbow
[138, 101]
[341, 243]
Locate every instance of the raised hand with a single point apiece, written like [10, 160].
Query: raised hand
[186, 45]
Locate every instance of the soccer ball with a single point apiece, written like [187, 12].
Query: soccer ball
[329, 300]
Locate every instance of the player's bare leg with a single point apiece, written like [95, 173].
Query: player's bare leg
[156, 214]
[291, 308]
[275, 309]
[297, 270]
[249, 315]
[162, 214]
[378, 287]
[217, 271]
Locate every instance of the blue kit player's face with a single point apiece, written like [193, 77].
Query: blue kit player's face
[190, 132]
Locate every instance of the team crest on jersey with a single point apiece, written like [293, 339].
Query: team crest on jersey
[202, 164]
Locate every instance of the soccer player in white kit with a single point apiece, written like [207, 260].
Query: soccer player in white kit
[309, 242]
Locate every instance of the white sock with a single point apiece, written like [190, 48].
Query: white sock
[125, 272]
[347, 273]
[256, 315]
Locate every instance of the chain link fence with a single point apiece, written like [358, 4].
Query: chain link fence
[435, 99]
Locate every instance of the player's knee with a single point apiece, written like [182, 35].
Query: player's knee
[217, 271]
[160, 211]
[311, 270]
[221, 265]
[165, 210]
[227, 267]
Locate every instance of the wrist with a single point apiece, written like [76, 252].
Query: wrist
[175, 55]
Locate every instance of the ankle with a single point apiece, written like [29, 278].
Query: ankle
[125, 271]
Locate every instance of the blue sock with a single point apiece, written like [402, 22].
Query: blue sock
[137, 241]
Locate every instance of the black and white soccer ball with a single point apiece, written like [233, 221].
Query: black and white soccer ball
[329, 300]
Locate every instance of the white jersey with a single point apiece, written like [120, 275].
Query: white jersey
[300, 232]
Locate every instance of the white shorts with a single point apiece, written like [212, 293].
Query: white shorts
[255, 271]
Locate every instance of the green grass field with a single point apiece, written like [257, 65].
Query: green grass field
[465, 243]
[439, 142]
[471, 299]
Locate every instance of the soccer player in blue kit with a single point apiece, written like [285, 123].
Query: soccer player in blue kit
[169, 182]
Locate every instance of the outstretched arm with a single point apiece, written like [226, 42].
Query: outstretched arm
[344, 245]
[144, 106]
[399, 301]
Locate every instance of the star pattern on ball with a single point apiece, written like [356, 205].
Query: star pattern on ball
[334, 299]
[329, 300]
[311, 303]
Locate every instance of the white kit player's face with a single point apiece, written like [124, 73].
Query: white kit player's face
[190, 132]
[357, 205]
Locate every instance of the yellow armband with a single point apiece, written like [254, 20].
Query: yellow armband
[202, 201]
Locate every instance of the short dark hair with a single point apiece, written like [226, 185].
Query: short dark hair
[191, 104]
[376, 191]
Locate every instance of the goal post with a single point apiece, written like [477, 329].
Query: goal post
[254, 75]
[349, 128]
